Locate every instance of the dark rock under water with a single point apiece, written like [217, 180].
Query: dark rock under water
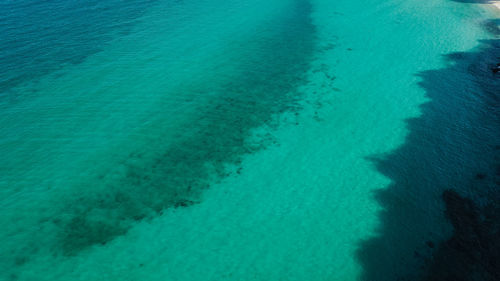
[473, 252]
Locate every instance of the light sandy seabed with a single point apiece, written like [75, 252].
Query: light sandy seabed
[496, 4]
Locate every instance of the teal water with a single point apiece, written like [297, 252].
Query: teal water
[237, 140]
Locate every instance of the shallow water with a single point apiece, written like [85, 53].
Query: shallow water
[236, 140]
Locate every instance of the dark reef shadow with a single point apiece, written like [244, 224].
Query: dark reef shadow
[453, 145]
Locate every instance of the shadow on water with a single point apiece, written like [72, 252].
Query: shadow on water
[448, 170]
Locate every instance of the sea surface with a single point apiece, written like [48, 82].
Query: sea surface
[240, 139]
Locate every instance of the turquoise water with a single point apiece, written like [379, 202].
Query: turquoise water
[237, 140]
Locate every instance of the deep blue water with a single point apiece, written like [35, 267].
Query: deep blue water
[37, 37]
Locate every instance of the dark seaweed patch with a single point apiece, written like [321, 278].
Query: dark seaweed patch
[176, 175]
